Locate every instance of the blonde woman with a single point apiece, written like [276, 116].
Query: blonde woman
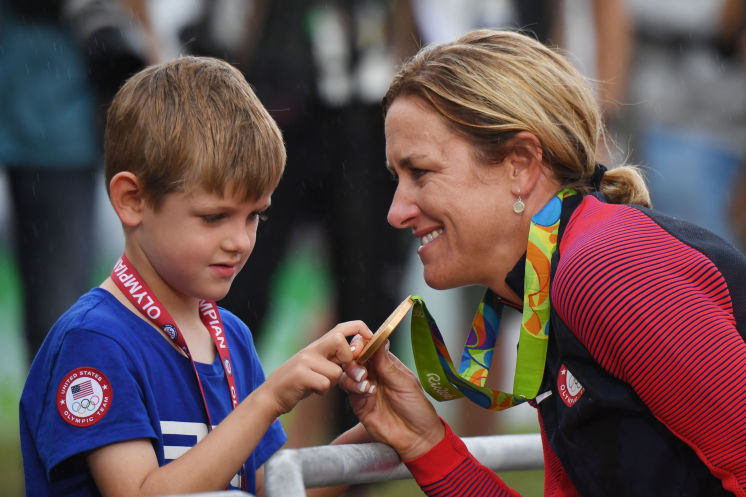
[636, 364]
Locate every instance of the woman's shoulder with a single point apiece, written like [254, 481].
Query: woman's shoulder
[628, 257]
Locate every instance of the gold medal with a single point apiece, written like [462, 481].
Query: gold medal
[385, 330]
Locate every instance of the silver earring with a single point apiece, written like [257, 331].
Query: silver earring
[518, 205]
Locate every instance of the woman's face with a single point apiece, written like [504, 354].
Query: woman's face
[459, 209]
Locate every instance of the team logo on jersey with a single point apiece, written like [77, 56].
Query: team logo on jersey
[227, 367]
[569, 387]
[171, 330]
[84, 396]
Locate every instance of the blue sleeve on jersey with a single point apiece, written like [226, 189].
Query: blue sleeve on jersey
[70, 425]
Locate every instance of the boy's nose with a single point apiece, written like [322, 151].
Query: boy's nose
[239, 241]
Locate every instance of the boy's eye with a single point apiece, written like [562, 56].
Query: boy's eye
[261, 216]
[212, 218]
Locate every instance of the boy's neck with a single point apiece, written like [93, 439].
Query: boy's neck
[185, 313]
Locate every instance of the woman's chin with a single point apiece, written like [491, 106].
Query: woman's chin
[439, 281]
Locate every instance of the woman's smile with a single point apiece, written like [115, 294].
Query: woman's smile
[430, 237]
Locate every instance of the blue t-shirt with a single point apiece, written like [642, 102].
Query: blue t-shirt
[104, 375]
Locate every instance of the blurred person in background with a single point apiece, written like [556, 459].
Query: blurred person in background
[60, 63]
[735, 29]
[686, 112]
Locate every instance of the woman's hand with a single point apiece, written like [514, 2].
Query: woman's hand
[396, 412]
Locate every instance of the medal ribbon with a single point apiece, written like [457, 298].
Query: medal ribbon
[435, 368]
[128, 280]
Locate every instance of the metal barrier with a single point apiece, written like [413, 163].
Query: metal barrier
[290, 471]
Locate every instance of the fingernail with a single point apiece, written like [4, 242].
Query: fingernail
[353, 348]
[359, 374]
[372, 389]
[363, 386]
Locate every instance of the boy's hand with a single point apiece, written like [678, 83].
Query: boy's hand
[315, 368]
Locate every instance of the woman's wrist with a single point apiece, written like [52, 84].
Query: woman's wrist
[422, 444]
[437, 463]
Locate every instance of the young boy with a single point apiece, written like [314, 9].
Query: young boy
[145, 370]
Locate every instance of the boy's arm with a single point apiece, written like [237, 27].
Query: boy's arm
[209, 465]
[212, 462]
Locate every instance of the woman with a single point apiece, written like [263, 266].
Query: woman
[643, 387]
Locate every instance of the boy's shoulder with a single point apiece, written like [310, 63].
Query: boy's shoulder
[97, 310]
[97, 323]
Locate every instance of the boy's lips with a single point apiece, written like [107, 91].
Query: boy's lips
[224, 270]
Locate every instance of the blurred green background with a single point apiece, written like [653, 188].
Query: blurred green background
[13, 371]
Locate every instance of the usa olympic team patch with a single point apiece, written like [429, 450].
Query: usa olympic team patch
[84, 396]
[569, 387]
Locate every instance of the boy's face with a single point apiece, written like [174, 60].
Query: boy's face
[198, 242]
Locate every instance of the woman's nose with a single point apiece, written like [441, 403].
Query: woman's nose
[402, 210]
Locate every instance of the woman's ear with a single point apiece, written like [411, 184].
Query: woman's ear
[525, 161]
[126, 195]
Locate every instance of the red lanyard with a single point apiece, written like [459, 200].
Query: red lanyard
[136, 290]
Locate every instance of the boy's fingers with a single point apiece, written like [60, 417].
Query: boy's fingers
[356, 344]
[350, 328]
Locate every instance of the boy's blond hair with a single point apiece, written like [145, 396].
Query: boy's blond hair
[193, 123]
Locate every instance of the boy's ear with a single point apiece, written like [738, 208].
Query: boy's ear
[126, 195]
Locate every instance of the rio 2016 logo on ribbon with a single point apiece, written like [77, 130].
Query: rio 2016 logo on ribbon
[84, 397]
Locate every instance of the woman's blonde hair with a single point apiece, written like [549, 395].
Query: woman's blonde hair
[489, 85]
[193, 123]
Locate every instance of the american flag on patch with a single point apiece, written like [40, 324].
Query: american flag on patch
[82, 389]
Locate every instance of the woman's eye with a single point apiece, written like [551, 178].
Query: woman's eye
[418, 173]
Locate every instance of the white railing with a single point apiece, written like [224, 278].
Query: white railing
[290, 471]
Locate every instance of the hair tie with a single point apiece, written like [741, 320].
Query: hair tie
[598, 174]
